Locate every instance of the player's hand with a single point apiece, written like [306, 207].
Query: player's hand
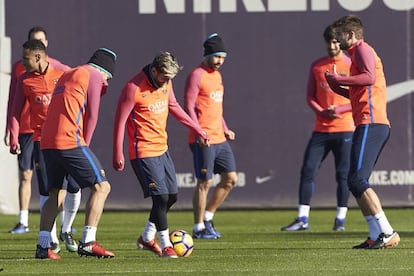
[15, 149]
[329, 113]
[332, 112]
[332, 81]
[7, 138]
[203, 141]
[230, 135]
[118, 162]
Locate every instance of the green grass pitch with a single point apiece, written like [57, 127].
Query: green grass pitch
[251, 244]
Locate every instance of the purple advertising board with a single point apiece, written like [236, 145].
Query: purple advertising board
[271, 44]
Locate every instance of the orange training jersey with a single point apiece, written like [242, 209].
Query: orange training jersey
[64, 125]
[369, 102]
[17, 70]
[147, 123]
[38, 90]
[204, 103]
[321, 94]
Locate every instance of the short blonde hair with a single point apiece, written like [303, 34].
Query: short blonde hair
[167, 64]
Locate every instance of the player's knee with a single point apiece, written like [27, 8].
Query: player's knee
[232, 179]
[228, 181]
[26, 175]
[172, 198]
[103, 187]
[204, 185]
[357, 189]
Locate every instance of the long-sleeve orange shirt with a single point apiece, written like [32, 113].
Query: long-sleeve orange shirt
[17, 70]
[35, 89]
[143, 107]
[320, 96]
[367, 86]
[203, 101]
[74, 109]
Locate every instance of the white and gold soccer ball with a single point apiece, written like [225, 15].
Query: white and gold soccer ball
[182, 242]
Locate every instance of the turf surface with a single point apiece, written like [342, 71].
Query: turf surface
[251, 244]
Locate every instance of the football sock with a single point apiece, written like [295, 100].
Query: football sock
[164, 237]
[199, 227]
[71, 206]
[88, 234]
[53, 233]
[341, 212]
[24, 217]
[44, 239]
[208, 215]
[303, 211]
[373, 227]
[383, 223]
[149, 231]
[62, 217]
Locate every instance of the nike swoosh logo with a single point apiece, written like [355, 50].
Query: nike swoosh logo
[260, 180]
[399, 90]
[347, 139]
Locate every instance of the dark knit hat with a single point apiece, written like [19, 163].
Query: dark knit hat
[214, 45]
[104, 59]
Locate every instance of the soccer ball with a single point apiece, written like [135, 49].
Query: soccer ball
[182, 242]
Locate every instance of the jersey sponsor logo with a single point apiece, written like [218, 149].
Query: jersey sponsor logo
[158, 107]
[43, 99]
[216, 96]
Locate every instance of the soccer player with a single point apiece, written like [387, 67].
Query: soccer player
[35, 87]
[367, 92]
[204, 93]
[332, 132]
[66, 136]
[143, 108]
[25, 158]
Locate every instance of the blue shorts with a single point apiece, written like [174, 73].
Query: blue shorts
[367, 144]
[25, 158]
[80, 163]
[217, 158]
[40, 169]
[156, 175]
